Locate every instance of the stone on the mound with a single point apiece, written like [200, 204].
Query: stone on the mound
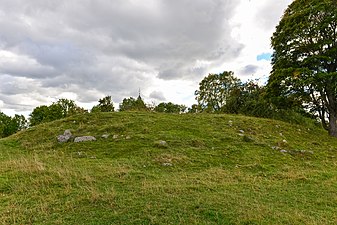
[85, 138]
[161, 144]
[105, 136]
[65, 137]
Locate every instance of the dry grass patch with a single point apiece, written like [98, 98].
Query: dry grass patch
[24, 165]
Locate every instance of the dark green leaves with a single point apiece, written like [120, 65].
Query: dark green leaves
[304, 59]
[214, 91]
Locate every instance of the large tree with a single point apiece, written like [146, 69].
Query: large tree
[304, 60]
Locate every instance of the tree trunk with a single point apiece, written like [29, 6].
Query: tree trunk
[333, 125]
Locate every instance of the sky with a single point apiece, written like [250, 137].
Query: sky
[84, 50]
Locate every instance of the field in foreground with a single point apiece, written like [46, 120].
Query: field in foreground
[214, 169]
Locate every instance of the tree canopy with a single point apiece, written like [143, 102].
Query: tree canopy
[170, 108]
[214, 91]
[105, 105]
[10, 125]
[304, 60]
[58, 110]
[132, 104]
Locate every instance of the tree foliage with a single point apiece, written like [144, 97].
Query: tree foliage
[214, 91]
[132, 104]
[10, 125]
[225, 93]
[58, 110]
[105, 105]
[253, 102]
[247, 98]
[42, 114]
[68, 107]
[170, 108]
[305, 60]
[195, 108]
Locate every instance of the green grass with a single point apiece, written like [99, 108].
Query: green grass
[210, 172]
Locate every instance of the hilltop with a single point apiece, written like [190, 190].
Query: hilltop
[211, 169]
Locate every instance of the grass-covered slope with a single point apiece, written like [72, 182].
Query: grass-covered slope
[215, 169]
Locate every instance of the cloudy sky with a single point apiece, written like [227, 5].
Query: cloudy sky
[87, 49]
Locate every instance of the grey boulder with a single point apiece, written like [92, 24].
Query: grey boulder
[85, 138]
[64, 137]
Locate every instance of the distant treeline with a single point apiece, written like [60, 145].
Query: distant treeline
[64, 108]
[217, 93]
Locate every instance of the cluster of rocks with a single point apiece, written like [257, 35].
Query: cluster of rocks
[116, 136]
[67, 136]
[277, 148]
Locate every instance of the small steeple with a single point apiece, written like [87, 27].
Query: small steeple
[139, 97]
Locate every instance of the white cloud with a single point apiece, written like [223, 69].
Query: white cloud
[157, 96]
[253, 25]
[86, 49]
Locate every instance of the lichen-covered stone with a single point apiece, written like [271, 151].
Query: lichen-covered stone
[85, 138]
[65, 137]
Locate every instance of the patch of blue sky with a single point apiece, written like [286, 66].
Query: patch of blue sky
[264, 56]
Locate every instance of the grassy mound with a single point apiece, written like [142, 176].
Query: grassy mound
[169, 169]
